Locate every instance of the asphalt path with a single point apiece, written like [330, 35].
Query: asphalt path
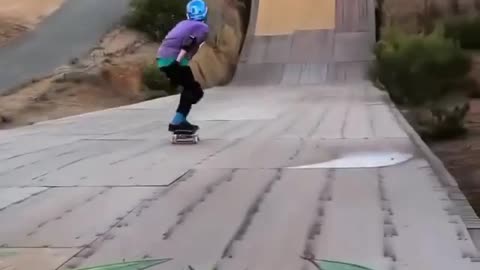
[68, 33]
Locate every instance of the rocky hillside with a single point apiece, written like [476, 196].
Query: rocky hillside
[112, 75]
[215, 64]
[412, 14]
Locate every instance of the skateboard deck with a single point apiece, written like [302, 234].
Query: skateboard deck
[185, 136]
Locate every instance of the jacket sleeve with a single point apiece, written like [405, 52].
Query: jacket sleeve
[196, 37]
[189, 42]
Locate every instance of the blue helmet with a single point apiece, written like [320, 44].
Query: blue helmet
[197, 10]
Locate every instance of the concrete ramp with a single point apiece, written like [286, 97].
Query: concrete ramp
[307, 42]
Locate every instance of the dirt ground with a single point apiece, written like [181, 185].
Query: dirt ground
[461, 156]
[110, 77]
[18, 16]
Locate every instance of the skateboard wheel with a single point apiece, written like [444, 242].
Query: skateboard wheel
[185, 138]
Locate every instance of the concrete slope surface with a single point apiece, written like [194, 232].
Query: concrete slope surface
[324, 169]
[68, 33]
[310, 43]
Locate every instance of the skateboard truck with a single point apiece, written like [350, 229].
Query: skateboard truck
[185, 136]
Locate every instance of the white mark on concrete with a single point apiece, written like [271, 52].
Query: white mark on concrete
[361, 160]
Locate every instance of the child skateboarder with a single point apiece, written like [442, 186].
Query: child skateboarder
[173, 56]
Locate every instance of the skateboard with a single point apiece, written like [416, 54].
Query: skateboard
[185, 136]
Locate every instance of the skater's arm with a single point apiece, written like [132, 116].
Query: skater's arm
[181, 55]
[187, 45]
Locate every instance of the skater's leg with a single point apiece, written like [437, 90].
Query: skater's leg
[174, 75]
[179, 120]
[192, 91]
[179, 75]
[184, 106]
[183, 109]
[188, 82]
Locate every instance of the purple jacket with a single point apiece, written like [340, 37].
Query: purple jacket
[172, 43]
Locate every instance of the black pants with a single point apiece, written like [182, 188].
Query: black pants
[192, 91]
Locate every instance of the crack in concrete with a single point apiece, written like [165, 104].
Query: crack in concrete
[315, 230]
[344, 123]
[371, 122]
[322, 118]
[291, 123]
[141, 153]
[88, 250]
[24, 199]
[250, 215]
[67, 212]
[298, 150]
[66, 153]
[389, 228]
[221, 150]
[39, 150]
[190, 208]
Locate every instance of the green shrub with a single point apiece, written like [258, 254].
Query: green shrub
[443, 120]
[155, 80]
[418, 69]
[449, 123]
[464, 29]
[155, 17]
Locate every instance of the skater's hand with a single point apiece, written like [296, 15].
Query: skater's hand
[175, 64]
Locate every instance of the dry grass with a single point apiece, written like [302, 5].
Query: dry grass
[18, 16]
[412, 16]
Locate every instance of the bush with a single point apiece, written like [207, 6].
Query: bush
[464, 29]
[448, 123]
[428, 73]
[155, 17]
[155, 80]
[418, 69]
[443, 120]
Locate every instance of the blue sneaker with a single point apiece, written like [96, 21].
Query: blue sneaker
[190, 124]
[183, 126]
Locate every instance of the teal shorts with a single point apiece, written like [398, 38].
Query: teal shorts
[164, 62]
